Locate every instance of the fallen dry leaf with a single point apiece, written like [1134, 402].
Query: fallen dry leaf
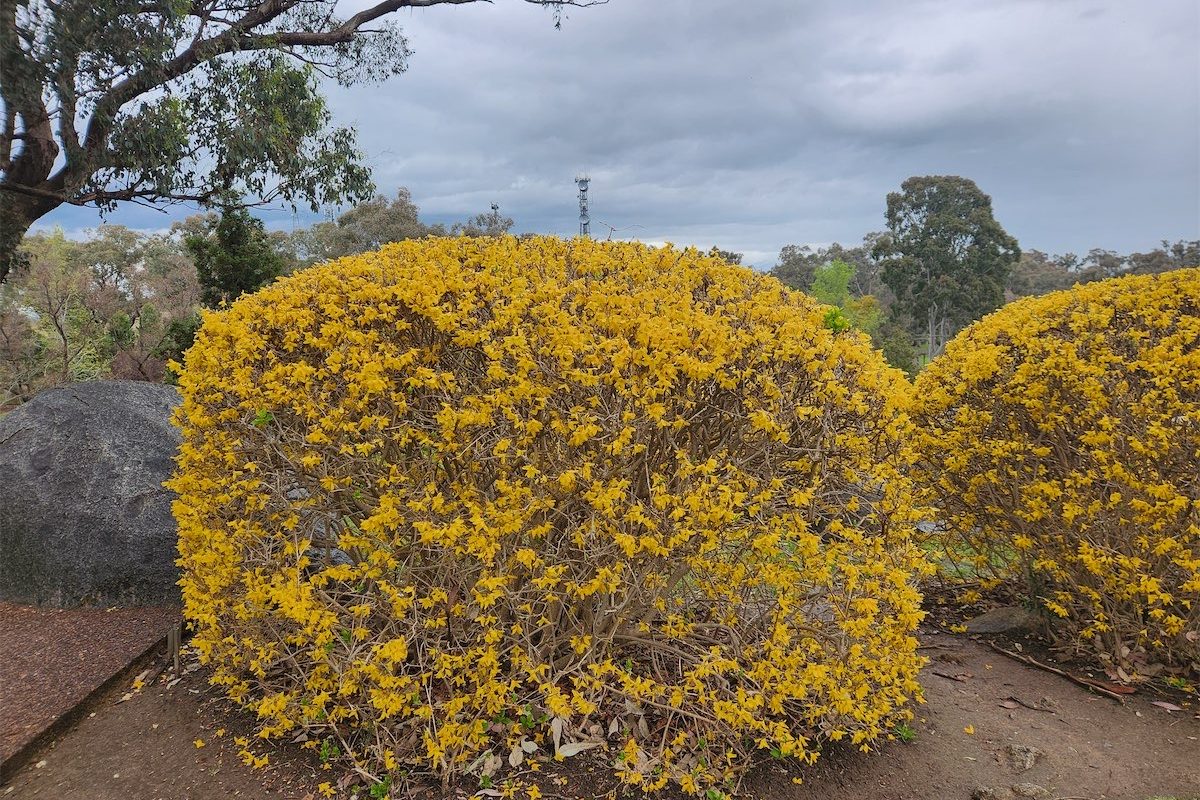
[1165, 705]
[556, 730]
[575, 748]
[1114, 688]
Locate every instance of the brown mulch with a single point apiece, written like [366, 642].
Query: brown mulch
[51, 659]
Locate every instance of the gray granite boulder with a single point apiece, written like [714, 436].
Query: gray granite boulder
[1006, 619]
[84, 518]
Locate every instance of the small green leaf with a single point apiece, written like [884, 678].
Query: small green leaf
[380, 790]
[835, 320]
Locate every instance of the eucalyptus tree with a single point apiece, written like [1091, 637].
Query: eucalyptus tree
[106, 101]
[946, 258]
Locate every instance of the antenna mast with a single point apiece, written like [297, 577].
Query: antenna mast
[585, 222]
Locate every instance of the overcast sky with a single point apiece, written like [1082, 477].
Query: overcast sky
[751, 124]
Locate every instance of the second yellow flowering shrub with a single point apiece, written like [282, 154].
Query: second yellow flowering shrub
[1061, 444]
[461, 502]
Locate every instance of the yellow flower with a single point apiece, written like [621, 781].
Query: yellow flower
[1057, 441]
[510, 487]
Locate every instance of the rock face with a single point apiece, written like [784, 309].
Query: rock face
[84, 518]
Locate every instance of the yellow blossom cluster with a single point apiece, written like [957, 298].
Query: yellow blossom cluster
[464, 499]
[1061, 444]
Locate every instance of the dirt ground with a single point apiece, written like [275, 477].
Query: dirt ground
[51, 659]
[989, 723]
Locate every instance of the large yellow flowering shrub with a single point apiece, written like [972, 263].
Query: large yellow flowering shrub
[1061, 443]
[465, 500]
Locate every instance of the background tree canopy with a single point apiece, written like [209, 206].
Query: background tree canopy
[946, 260]
[367, 226]
[124, 303]
[103, 101]
[233, 256]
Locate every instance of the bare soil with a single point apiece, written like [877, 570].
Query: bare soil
[986, 717]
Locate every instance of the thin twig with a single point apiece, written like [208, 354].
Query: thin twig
[1019, 701]
[1033, 662]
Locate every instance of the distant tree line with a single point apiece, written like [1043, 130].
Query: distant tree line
[943, 262]
[123, 304]
[1037, 272]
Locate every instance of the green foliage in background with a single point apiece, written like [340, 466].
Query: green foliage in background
[233, 256]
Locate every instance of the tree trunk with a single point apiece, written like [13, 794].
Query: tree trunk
[17, 214]
[26, 191]
[19, 210]
[931, 333]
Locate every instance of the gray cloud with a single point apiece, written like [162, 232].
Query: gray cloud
[751, 125]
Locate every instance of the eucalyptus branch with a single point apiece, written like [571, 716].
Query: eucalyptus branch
[44, 194]
[71, 82]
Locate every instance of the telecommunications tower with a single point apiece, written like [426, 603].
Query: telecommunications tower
[585, 222]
